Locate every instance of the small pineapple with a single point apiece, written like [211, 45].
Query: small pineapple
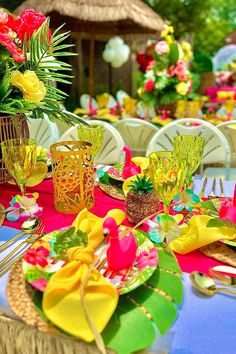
[141, 200]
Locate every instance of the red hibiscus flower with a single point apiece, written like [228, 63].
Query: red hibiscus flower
[28, 22]
[149, 85]
[38, 256]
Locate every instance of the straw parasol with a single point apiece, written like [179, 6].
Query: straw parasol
[100, 19]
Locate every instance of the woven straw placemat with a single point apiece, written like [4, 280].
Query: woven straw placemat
[111, 191]
[220, 252]
[2, 214]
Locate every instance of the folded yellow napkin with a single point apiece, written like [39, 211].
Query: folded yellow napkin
[78, 299]
[198, 235]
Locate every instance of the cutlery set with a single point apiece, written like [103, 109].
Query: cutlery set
[34, 233]
[213, 192]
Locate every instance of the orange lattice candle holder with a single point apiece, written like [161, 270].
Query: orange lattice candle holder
[73, 176]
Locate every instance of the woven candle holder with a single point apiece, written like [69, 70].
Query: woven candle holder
[73, 176]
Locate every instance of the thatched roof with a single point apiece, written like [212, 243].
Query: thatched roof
[101, 17]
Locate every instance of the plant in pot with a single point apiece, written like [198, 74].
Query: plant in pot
[29, 72]
[167, 78]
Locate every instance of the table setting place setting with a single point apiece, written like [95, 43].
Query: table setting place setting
[102, 253]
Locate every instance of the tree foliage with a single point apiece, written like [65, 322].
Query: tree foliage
[205, 22]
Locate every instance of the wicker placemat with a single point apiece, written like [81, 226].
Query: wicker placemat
[111, 191]
[220, 252]
[2, 214]
[20, 294]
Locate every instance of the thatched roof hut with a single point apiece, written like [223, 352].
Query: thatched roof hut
[103, 18]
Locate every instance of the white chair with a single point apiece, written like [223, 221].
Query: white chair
[112, 147]
[217, 149]
[229, 131]
[44, 131]
[136, 133]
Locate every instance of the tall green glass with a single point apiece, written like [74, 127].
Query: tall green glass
[189, 149]
[19, 157]
[167, 175]
[92, 134]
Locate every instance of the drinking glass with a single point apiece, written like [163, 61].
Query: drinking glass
[19, 157]
[189, 149]
[167, 175]
[92, 134]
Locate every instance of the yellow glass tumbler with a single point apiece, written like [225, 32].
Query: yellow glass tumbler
[73, 176]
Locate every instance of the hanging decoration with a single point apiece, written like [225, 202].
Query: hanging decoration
[116, 52]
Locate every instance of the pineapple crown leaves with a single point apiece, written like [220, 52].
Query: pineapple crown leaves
[141, 185]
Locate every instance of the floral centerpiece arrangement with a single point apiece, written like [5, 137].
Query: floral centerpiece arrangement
[166, 78]
[29, 66]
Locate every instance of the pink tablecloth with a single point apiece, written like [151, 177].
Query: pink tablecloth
[54, 220]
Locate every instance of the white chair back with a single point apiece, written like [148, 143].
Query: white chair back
[216, 149]
[229, 131]
[112, 147]
[137, 134]
[43, 131]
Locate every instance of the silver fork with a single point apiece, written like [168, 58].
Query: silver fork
[34, 237]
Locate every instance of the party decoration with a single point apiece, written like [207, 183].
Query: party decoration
[185, 200]
[165, 227]
[23, 207]
[121, 252]
[130, 169]
[166, 78]
[116, 52]
[29, 62]
[141, 199]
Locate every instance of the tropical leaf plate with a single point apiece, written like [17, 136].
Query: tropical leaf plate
[48, 255]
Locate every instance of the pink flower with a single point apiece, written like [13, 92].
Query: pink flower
[28, 22]
[161, 48]
[38, 256]
[149, 85]
[171, 70]
[180, 68]
[3, 17]
[182, 77]
[40, 284]
[150, 65]
[146, 259]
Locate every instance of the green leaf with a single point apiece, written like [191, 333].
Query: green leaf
[173, 53]
[215, 223]
[150, 307]
[126, 332]
[68, 238]
[37, 300]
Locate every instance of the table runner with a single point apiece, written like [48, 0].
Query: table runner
[54, 220]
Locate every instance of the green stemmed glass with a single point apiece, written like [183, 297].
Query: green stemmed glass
[92, 134]
[19, 156]
[189, 149]
[167, 175]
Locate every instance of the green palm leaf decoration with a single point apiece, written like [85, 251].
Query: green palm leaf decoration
[149, 308]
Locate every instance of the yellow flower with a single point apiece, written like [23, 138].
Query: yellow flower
[188, 54]
[182, 88]
[32, 88]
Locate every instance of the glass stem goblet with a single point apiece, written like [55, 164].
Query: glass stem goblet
[167, 176]
[189, 149]
[93, 134]
[19, 156]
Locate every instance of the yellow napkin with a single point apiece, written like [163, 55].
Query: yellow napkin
[198, 235]
[62, 300]
[78, 299]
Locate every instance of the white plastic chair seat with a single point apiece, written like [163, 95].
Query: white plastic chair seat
[136, 133]
[216, 148]
[43, 131]
[229, 131]
[112, 147]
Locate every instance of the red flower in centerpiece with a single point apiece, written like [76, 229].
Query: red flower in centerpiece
[38, 256]
[28, 22]
[149, 85]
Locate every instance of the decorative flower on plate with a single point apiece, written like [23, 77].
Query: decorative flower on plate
[186, 200]
[37, 256]
[21, 208]
[147, 259]
[165, 227]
